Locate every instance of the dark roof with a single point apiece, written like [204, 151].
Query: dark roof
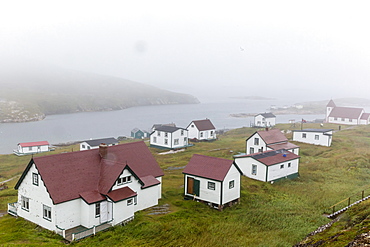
[33, 144]
[169, 129]
[314, 130]
[92, 196]
[331, 104]
[121, 194]
[204, 124]
[97, 142]
[273, 157]
[208, 167]
[68, 175]
[158, 125]
[346, 112]
[271, 136]
[365, 116]
[149, 181]
[266, 115]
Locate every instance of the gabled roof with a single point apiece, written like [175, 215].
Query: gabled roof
[203, 125]
[365, 116]
[271, 136]
[331, 104]
[273, 157]
[346, 112]
[284, 145]
[169, 129]
[266, 115]
[68, 176]
[208, 167]
[314, 130]
[92, 196]
[33, 144]
[121, 194]
[155, 126]
[97, 142]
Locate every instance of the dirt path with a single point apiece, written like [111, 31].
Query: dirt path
[10, 179]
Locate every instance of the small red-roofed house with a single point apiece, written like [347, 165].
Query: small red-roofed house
[269, 139]
[212, 180]
[202, 130]
[32, 147]
[92, 189]
[269, 166]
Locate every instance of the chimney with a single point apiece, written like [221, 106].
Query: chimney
[103, 150]
[267, 129]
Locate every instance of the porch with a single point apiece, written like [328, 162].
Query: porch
[12, 209]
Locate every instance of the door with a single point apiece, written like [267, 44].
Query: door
[106, 211]
[193, 186]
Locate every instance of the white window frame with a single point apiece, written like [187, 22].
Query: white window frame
[282, 166]
[97, 210]
[130, 202]
[256, 141]
[25, 204]
[254, 169]
[124, 180]
[317, 137]
[35, 179]
[304, 135]
[231, 184]
[176, 141]
[211, 185]
[46, 212]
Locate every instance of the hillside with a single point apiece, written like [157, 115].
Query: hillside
[29, 93]
[278, 214]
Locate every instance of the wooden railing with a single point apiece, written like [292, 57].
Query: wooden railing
[12, 209]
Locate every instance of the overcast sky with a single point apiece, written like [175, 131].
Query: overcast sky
[301, 49]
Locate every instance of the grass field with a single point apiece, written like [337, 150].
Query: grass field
[279, 214]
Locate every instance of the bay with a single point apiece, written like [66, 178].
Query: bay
[93, 125]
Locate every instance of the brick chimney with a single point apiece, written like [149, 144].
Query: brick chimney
[103, 150]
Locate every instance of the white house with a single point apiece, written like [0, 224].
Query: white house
[168, 137]
[89, 190]
[321, 137]
[346, 115]
[93, 144]
[212, 180]
[269, 166]
[264, 120]
[269, 139]
[202, 130]
[32, 148]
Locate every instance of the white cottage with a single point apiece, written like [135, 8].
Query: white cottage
[202, 130]
[79, 193]
[95, 143]
[264, 120]
[269, 139]
[269, 166]
[32, 148]
[321, 137]
[168, 137]
[212, 180]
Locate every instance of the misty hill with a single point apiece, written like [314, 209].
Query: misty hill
[29, 93]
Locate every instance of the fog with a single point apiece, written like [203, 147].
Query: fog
[210, 49]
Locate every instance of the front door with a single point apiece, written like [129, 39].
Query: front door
[192, 186]
[106, 211]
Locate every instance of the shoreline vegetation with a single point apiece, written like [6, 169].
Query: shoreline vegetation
[278, 214]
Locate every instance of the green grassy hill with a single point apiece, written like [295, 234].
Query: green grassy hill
[31, 92]
[279, 214]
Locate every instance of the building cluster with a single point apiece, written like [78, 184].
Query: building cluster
[77, 194]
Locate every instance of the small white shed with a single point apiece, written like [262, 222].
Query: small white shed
[212, 180]
[32, 147]
[321, 137]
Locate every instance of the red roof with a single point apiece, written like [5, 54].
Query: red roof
[67, 176]
[272, 136]
[331, 104]
[149, 181]
[92, 196]
[365, 116]
[208, 167]
[33, 144]
[205, 124]
[121, 194]
[285, 145]
[273, 157]
[346, 112]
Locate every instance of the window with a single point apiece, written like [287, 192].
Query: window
[342, 119]
[83, 146]
[46, 212]
[289, 164]
[185, 140]
[304, 135]
[335, 119]
[231, 184]
[165, 141]
[211, 186]
[251, 150]
[158, 133]
[88, 147]
[350, 120]
[192, 125]
[124, 180]
[35, 179]
[282, 166]
[182, 132]
[254, 169]
[176, 142]
[129, 202]
[256, 141]
[30, 149]
[154, 139]
[165, 134]
[97, 209]
[316, 137]
[211, 133]
[201, 134]
[25, 203]
[260, 150]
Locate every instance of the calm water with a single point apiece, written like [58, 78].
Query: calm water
[83, 126]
